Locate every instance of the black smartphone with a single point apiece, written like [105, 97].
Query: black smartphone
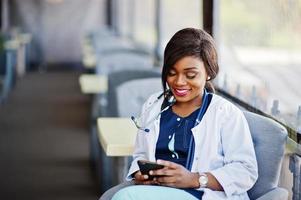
[145, 166]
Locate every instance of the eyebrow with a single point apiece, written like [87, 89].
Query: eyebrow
[190, 68]
[186, 69]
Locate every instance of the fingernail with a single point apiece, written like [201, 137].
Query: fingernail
[151, 172]
[145, 176]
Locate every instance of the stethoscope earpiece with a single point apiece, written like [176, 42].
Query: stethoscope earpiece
[171, 100]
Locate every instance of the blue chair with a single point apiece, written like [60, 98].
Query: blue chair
[269, 138]
[116, 60]
[7, 68]
[130, 97]
[106, 166]
[137, 90]
[295, 168]
[117, 78]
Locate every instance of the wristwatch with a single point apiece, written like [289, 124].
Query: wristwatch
[203, 180]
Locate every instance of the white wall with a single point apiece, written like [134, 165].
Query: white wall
[58, 25]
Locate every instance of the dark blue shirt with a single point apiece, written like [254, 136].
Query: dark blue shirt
[174, 136]
[174, 139]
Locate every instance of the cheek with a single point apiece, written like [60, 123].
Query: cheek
[199, 85]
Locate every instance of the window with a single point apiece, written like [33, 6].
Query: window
[178, 14]
[144, 31]
[260, 55]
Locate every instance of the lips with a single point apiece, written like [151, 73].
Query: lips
[181, 92]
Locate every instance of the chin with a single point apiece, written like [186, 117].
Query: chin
[188, 98]
[182, 99]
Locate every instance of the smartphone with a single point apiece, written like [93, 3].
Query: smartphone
[145, 166]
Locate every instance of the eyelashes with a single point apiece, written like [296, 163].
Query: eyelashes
[191, 76]
[188, 75]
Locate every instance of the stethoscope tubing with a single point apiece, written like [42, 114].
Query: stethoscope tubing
[197, 121]
[171, 102]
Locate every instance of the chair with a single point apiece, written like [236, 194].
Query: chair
[120, 59]
[130, 97]
[137, 90]
[117, 78]
[7, 69]
[295, 168]
[106, 166]
[269, 139]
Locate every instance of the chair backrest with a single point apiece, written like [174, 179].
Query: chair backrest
[122, 60]
[110, 42]
[132, 94]
[269, 138]
[119, 77]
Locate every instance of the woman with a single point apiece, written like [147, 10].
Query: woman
[202, 139]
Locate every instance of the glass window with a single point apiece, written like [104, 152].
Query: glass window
[178, 14]
[124, 14]
[260, 55]
[144, 24]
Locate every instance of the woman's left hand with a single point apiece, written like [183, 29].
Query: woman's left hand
[175, 175]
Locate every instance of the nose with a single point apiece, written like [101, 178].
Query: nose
[180, 80]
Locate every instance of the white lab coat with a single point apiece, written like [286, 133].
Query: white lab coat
[223, 147]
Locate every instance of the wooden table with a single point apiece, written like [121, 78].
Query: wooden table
[93, 84]
[117, 138]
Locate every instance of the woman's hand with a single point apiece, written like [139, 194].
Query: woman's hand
[175, 175]
[141, 179]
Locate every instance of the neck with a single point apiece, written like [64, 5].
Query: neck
[186, 108]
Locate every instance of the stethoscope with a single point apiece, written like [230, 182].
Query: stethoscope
[170, 102]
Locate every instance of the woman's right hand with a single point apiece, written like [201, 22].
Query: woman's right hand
[141, 179]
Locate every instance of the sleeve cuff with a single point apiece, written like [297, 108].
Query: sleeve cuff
[222, 178]
[134, 167]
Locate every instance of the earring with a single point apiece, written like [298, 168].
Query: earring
[208, 78]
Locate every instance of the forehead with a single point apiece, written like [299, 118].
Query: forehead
[189, 63]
